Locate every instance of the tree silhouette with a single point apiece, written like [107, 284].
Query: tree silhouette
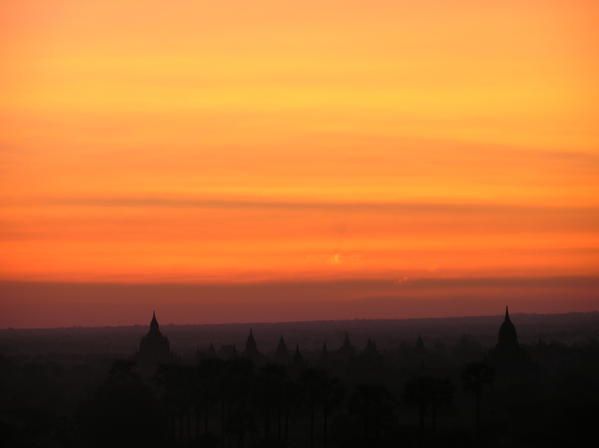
[312, 383]
[428, 393]
[272, 381]
[122, 412]
[236, 384]
[475, 378]
[372, 404]
[331, 397]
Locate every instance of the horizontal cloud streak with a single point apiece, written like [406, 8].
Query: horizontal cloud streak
[260, 203]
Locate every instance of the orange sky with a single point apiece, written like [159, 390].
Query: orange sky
[265, 141]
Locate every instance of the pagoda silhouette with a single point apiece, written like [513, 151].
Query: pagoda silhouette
[281, 355]
[507, 340]
[347, 350]
[251, 348]
[508, 357]
[154, 348]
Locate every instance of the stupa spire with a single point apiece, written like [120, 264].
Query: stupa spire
[154, 326]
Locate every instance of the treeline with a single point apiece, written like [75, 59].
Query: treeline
[416, 396]
[234, 403]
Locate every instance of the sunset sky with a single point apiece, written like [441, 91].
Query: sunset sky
[273, 160]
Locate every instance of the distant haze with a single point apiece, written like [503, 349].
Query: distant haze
[84, 304]
[574, 328]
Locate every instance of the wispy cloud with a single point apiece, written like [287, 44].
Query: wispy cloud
[275, 203]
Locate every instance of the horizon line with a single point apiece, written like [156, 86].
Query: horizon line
[287, 322]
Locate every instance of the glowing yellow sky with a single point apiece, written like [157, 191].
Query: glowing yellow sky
[191, 141]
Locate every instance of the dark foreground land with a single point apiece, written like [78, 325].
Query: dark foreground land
[531, 380]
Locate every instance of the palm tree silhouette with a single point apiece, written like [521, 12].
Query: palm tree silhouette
[475, 378]
[331, 397]
[272, 380]
[372, 404]
[426, 393]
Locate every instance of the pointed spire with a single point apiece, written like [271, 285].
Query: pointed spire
[154, 327]
[281, 352]
[251, 339]
[347, 349]
[251, 348]
[507, 339]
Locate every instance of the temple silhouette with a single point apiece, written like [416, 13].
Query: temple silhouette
[315, 375]
[281, 353]
[154, 347]
[508, 355]
[251, 348]
[507, 340]
[419, 388]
